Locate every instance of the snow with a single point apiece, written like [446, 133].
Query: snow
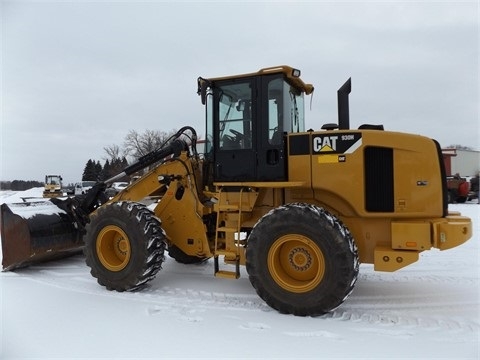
[429, 310]
[30, 195]
[30, 203]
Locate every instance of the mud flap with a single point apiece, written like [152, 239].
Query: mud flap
[35, 232]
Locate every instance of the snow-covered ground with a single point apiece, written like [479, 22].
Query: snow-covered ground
[427, 310]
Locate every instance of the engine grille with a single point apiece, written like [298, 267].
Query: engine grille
[379, 179]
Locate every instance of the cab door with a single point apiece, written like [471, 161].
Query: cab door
[234, 114]
[271, 149]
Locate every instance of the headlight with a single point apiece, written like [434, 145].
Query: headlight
[296, 73]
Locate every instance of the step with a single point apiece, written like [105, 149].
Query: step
[229, 254]
[224, 274]
[227, 229]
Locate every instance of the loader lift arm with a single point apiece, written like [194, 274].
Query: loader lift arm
[95, 196]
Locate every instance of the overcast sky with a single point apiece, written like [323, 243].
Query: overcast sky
[76, 76]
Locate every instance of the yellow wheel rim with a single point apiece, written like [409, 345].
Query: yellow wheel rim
[296, 263]
[113, 248]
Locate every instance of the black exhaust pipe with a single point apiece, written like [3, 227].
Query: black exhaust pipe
[343, 107]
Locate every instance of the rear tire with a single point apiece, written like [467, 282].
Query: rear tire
[302, 260]
[124, 245]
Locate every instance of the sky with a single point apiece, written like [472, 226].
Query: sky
[77, 76]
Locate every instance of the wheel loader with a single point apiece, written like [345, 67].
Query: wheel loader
[53, 186]
[300, 209]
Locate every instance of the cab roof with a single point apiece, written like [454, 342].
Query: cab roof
[292, 75]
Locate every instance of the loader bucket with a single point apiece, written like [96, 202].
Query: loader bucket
[35, 232]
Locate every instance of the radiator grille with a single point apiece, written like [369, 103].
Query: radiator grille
[379, 184]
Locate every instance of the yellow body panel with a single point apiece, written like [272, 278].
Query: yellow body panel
[338, 182]
[411, 235]
[342, 180]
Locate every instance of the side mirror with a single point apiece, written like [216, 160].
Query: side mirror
[203, 85]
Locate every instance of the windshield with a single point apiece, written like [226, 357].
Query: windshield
[285, 110]
[53, 180]
[294, 109]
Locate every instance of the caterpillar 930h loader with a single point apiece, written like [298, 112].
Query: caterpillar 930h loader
[299, 208]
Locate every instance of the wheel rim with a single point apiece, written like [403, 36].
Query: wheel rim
[296, 263]
[113, 248]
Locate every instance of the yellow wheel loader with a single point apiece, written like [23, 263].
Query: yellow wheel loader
[53, 186]
[299, 208]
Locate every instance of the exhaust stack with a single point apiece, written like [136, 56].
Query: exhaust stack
[343, 107]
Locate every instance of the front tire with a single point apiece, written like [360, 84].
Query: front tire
[124, 245]
[302, 260]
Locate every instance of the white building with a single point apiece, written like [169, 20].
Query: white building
[463, 162]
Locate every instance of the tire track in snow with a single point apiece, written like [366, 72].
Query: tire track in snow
[394, 313]
[410, 278]
[405, 321]
[397, 311]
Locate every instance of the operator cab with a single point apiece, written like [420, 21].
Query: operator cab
[247, 117]
[53, 180]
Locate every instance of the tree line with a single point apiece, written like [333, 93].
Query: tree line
[19, 185]
[94, 171]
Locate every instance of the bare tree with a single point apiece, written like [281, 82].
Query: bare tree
[113, 152]
[134, 146]
[138, 145]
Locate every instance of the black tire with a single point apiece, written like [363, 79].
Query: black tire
[183, 258]
[452, 196]
[302, 260]
[124, 245]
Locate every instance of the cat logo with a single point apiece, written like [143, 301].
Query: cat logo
[325, 143]
[332, 148]
[336, 144]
